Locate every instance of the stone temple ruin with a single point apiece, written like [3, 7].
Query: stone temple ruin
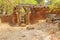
[31, 14]
[35, 22]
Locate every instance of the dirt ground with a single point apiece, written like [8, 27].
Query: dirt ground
[37, 31]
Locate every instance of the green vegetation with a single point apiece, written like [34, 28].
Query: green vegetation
[54, 4]
[8, 5]
[28, 1]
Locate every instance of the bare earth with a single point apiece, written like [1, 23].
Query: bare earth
[30, 32]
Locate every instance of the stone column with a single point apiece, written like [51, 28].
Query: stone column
[27, 18]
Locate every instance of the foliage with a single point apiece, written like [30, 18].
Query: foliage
[9, 4]
[28, 1]
[54, 4]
